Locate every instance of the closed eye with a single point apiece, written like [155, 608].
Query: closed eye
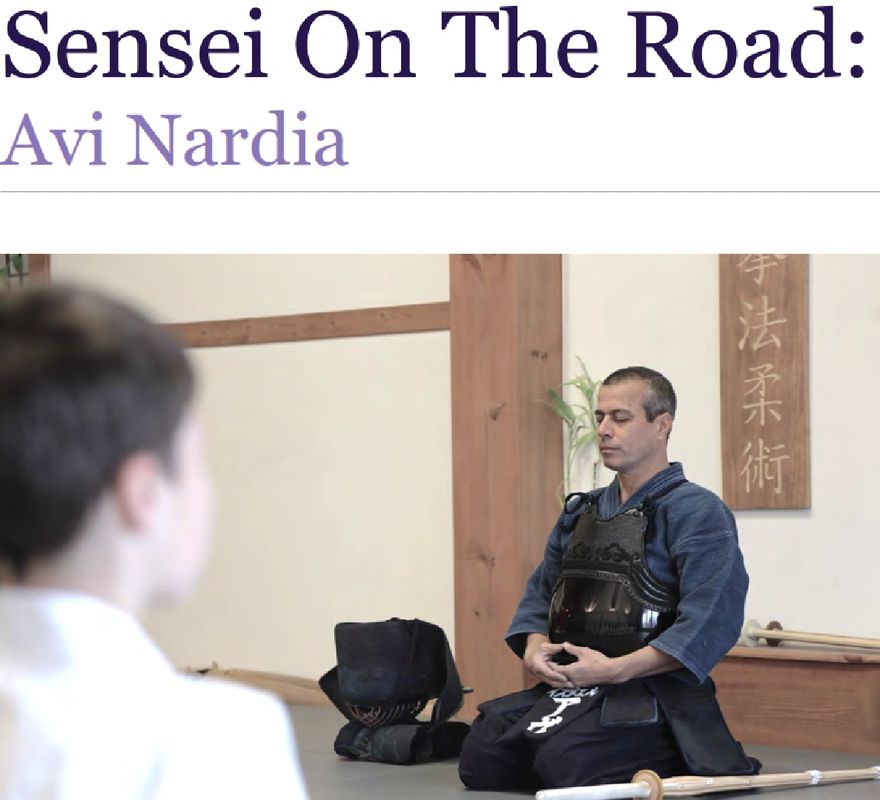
[616, 416]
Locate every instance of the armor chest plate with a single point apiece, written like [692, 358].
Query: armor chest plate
[606, 598]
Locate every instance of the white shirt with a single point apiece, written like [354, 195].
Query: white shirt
[90, 709]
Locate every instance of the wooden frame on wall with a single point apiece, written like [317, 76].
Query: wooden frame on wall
[765, 387]
[417, 318]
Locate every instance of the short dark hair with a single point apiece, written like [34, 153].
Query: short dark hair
[85, 382]
[659, 397]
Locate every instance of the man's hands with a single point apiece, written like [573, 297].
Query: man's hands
[592, 668]
[537, 657]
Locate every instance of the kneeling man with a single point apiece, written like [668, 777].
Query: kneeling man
[640, 594]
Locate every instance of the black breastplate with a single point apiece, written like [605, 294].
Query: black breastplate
[606, 598]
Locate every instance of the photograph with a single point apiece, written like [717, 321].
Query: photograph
[347, 527]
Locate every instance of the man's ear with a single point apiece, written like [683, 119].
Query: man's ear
[665, 422]
[136, 489]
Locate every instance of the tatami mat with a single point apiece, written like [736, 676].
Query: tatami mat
[332, 778]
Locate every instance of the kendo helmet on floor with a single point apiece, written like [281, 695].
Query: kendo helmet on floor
[385, 675]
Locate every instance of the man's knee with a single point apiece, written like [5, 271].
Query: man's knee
[589, 754]
[555, 765]
[479, 770]
[487, 765]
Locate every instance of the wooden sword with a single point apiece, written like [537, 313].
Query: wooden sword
[650, 786]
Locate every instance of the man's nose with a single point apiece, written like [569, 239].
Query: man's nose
[602, 428]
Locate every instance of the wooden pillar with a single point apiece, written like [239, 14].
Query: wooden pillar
[39, 267]
[506, 340]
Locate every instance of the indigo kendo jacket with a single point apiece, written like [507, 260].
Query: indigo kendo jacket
[694, 544]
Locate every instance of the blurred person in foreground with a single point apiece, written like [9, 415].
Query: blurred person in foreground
[105, 513]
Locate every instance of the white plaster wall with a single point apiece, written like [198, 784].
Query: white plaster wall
[186, 288]
[332, 459]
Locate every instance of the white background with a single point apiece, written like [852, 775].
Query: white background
[515, 142]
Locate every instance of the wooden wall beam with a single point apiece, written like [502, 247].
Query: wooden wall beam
[506, 340]
[323, 325]
[39, 267]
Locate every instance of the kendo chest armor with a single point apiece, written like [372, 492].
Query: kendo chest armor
[606, 598]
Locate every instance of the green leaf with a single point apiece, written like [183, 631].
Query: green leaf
[561, 407]
[579, 415]
[584, 440]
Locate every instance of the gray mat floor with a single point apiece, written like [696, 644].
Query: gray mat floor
[332, 778]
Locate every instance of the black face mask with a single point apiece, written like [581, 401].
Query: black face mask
[385, 675]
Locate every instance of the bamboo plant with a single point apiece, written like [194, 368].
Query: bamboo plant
[11, 269]
[579, 420]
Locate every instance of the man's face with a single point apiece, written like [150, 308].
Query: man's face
[189, 514]
[627, 440]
